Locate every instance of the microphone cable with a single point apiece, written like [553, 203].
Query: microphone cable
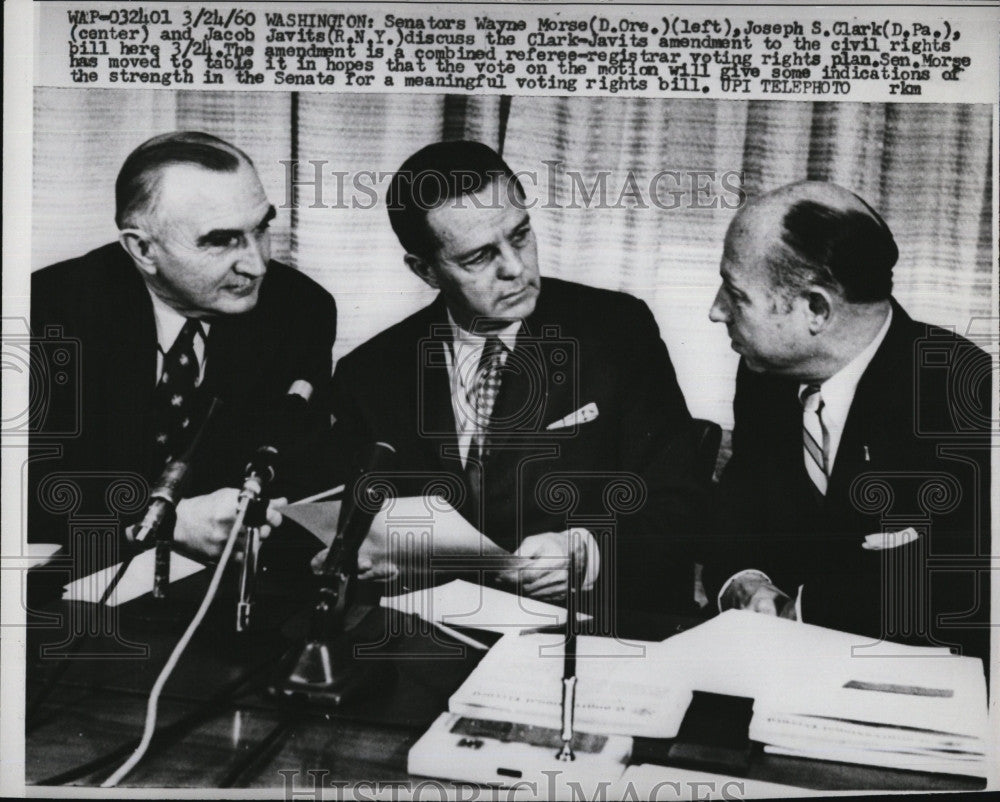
[175, 655]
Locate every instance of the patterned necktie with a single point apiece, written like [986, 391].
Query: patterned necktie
[815, 437]
[176, 393]
[482, 395]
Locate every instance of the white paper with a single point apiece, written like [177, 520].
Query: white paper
[39, 553]
[409, 523]
[466, 604]
[138, 579]
[622, 686]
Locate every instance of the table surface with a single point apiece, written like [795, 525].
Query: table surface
[218, 727]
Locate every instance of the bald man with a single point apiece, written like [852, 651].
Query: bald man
[857, 494]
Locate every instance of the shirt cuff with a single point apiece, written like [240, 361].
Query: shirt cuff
[747, 572]
[593, 557]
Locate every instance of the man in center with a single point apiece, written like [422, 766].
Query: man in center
[548, 411]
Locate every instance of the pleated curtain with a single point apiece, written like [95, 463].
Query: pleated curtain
[926, 168]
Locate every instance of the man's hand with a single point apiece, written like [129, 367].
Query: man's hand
[752, 590]
[544, 572]
[204, 522]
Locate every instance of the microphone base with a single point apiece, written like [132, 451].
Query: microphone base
[326, 674]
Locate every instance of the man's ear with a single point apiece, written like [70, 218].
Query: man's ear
[137, 244]
[820, 308]
[423, 269]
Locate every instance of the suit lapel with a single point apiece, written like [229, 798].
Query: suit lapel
[435, 416]
[878, 394]
[240, 353]
[130, 360]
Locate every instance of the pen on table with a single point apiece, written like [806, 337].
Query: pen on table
[569, 663]
[462, 638]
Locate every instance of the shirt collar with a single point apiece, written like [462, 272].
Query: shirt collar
[169, 322]
[463, 337]
[838, 391]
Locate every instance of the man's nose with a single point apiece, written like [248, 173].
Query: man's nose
[510, 263]
[253, 258]
[719, 313]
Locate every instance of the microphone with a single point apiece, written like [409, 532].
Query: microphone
[166, 492]
[326, 672]
[287, 421]
[356, 517]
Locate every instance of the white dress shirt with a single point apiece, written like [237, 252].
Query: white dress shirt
[169, 323]
[463, 361]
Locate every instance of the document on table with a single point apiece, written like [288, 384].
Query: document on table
[836, 696]
[467, 604]
[623, 687]
[138, 579]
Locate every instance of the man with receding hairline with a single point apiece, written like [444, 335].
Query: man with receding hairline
[186, 306]
[836, 402]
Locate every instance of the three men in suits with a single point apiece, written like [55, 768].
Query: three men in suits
[857, 496]
[186, 306]
[547, 411]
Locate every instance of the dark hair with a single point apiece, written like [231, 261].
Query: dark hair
[435, 175]
[841, 249]
[137, 178]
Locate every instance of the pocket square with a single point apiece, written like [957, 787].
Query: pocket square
[582, 415]
[881, 541]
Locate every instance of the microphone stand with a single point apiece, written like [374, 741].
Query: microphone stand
[326, 671]
[253, 501]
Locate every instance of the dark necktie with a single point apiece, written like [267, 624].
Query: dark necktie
[815, 437]
[176, 393]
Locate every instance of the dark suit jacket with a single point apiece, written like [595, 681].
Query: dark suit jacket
[626, 475]
[93, 320]
[914, 452]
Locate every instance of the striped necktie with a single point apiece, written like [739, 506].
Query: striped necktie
[815, 437]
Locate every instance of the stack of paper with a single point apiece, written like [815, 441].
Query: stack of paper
[830, 695]
[623, 687]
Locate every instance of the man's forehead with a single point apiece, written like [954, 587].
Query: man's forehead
[191, 188]
[468, 220]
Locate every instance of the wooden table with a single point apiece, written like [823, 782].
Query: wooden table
[219, 728]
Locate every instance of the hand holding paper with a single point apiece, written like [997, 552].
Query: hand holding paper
[411, 530]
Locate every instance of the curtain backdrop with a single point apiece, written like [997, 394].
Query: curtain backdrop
[926, 168]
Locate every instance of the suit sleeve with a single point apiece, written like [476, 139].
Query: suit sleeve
[659, 445]
[736, 499]
[53, 407]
